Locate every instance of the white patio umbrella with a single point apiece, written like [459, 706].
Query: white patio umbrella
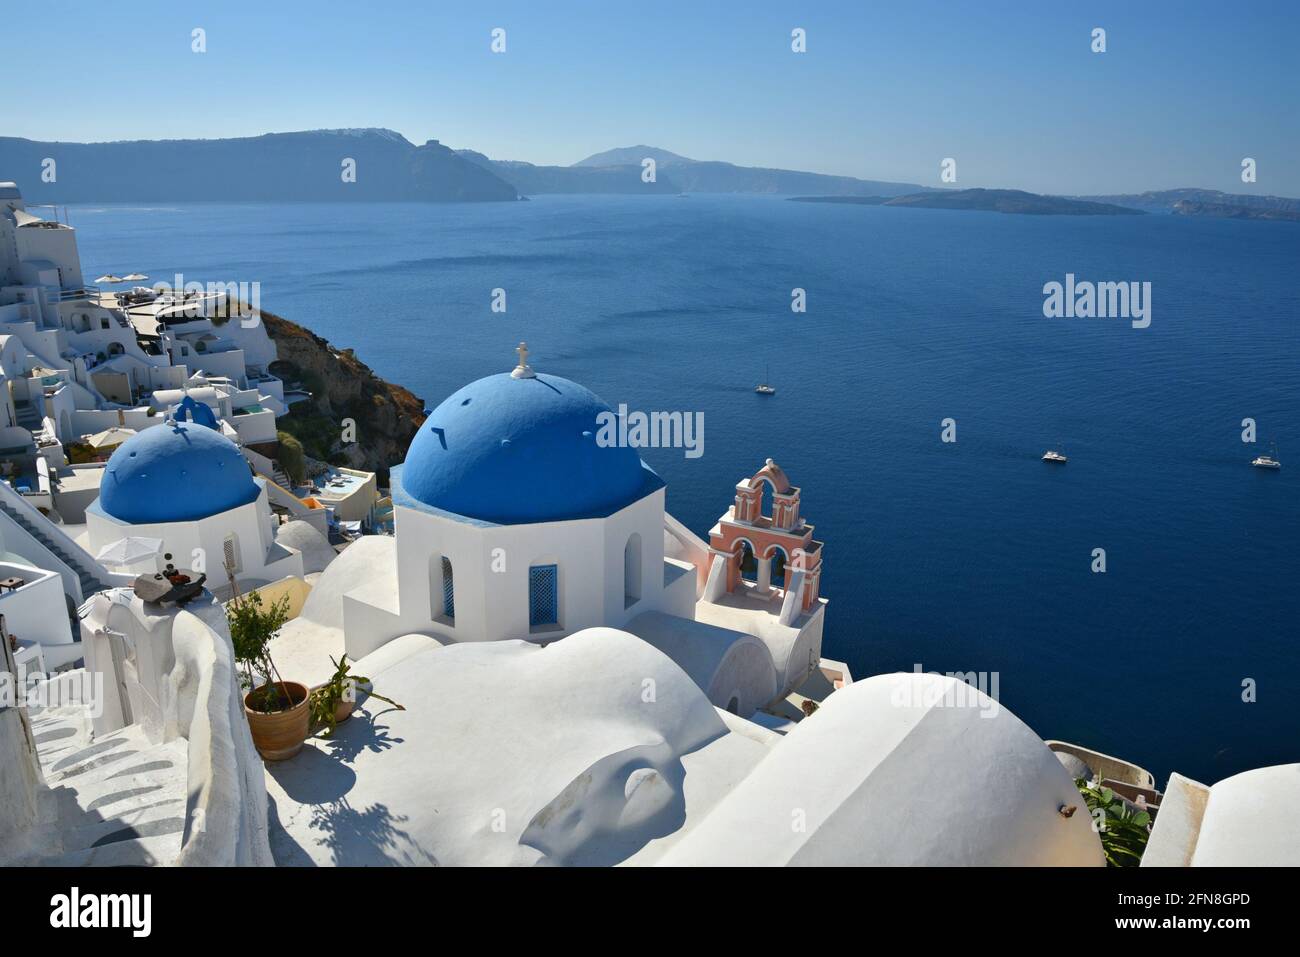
[129, 550]
[109, 437]
[135, 277]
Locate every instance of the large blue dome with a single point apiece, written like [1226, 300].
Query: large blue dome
[175, 473]
[510, 451]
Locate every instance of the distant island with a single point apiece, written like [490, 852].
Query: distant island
[988, 200]
[276, 167]
[1187, 207]
[308, 166]
[1168, 200]
[711, 176]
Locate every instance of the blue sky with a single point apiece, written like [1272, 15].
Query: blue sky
[1012, 91]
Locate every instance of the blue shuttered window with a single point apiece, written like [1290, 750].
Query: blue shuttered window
[543, 595]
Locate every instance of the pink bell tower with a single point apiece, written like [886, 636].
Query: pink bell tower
[781, 542]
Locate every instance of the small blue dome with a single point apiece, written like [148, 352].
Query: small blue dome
[175, 473]
[508, 451]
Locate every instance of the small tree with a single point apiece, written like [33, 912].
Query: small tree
[252, 628]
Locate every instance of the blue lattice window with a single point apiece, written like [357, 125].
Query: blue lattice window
[543, 595]
[448, 590]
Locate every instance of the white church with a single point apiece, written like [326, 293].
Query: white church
[513, 522]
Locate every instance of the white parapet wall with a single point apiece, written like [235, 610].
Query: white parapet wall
[172, 671]
[226, 808]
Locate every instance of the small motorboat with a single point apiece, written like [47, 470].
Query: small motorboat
[1267, 461]
[1057, 457]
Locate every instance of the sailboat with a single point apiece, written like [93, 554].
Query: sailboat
[1267, 461]
[763, 388]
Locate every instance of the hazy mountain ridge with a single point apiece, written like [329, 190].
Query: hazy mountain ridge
[274, 167]
[307, 166]
[531, 179]
[714, 176]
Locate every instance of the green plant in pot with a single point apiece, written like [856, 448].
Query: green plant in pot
[335, 700]
[277, 710]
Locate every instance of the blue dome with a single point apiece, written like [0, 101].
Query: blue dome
[508, 450]
[175, 473]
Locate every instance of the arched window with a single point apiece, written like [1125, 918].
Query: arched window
[543, 596]
[442, 590]
[632, 570]
[115, 349]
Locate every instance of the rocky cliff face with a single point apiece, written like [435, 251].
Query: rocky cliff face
[386, 416]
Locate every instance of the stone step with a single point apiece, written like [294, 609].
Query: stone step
[115, 800]
[153, 851]
[157, 819]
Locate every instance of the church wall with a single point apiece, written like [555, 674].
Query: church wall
[644, 518]
[577, 548]
[491, 565]
[422, 540]
[251, 525]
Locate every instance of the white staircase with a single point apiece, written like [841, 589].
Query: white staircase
[27, 415]
[87, 570]
[118, 801]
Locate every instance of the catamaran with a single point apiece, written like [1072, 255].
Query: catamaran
[763, 388]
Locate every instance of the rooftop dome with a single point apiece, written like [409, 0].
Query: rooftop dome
[519, 448]
[178, 472]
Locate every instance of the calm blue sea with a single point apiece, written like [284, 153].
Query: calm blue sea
[971, 556]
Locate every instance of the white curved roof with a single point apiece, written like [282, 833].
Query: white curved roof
[1251, 820]
[508, 753]
[307, 642]
[888, 772]
[317, 553]
[723, 662]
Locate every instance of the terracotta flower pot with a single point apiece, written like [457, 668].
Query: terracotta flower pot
[280, 735]
[343, 710]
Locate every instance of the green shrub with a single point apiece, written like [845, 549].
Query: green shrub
[1122, 828]
[291, 456]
